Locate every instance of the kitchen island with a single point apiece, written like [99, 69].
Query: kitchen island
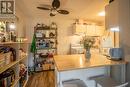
[78, 67]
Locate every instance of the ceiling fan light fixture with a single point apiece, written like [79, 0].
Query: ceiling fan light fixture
[101, 13]
[51, 14]
[53, 11]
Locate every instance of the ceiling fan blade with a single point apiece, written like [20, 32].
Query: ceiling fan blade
[43, 8]
[56, 4]
[45, 5]
[63, 12]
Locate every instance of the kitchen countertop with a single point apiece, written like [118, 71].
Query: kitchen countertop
[78, 61]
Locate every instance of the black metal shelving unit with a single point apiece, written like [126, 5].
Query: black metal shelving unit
[46, 48]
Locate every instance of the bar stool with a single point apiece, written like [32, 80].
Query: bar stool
[73, 83]
[105, 81]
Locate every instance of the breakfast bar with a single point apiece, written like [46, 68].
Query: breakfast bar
[78, 67]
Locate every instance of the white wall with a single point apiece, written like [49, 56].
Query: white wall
[64, 31]
[21, 23]
[124, 33]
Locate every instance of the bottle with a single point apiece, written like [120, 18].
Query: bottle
[47, 33]
[53, 25]
[4, 39]
[14, 39]
[11, 36]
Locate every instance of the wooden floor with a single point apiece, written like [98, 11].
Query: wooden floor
[42, 79]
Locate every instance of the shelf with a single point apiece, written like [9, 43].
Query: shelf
[42, 58]
[44, 70]
[49, 70]
[45, 28]
[15, 82]
[5, 67]
[45, 48]
[38, 69]
[5, 43]
[46, 37]
[8, 64]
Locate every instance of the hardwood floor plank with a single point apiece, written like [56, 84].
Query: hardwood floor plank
[42, 79]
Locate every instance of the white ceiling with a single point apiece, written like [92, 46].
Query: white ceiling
[79, 9]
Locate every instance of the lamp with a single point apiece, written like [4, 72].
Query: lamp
[53, 12]
[12, 26]
[114, 30]
[101, 13]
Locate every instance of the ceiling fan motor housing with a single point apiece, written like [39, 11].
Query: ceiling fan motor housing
[56, 4]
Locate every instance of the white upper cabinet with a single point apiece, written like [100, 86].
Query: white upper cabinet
[88, 29]
[95, 30]
[99, 30]
[79, 28]
[112, 14]
[91, 30]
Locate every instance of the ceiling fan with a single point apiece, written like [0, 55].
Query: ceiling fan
[54, 8]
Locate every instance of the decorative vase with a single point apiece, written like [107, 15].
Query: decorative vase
[88, 54]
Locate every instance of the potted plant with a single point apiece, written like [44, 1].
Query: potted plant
[88, 43]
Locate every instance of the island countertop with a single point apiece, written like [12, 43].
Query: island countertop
[78, 61]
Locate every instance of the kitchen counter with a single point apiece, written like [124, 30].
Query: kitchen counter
[78, 61]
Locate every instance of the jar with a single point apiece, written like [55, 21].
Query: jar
[53, 25]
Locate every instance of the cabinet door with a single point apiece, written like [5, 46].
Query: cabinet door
[91, 30]
[79, 29]
[112, 15]
[99, 30]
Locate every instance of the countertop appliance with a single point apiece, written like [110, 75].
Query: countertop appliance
[77, 48]
[116, 53]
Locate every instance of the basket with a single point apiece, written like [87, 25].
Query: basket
[8, 58]
[2, 60]
[5, 58]
[46, 66]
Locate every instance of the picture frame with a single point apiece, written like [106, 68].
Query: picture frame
[7, 7]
